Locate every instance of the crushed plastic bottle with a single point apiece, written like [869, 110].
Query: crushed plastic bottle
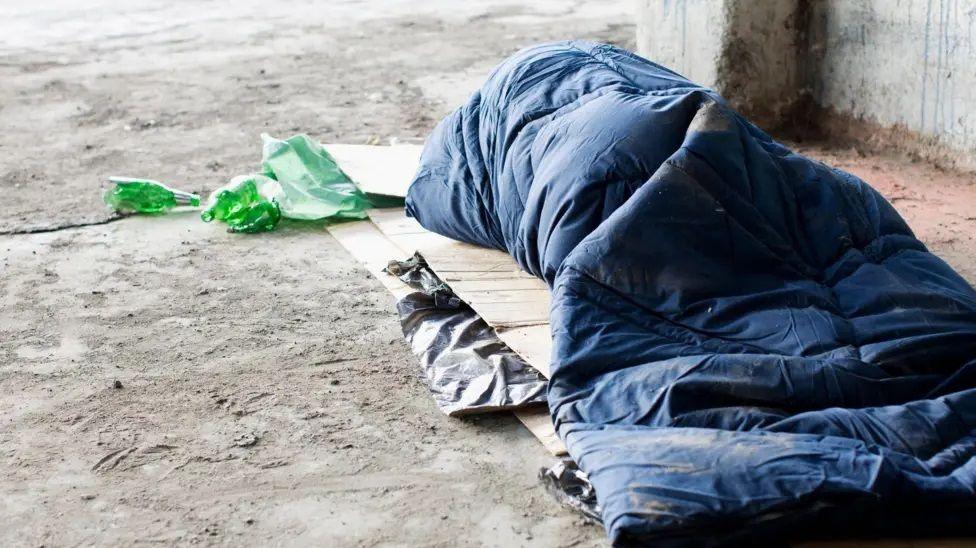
[145, 196]
[243, 205]
[311, 184]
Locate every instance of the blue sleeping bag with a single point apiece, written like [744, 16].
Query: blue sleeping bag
[749, 346]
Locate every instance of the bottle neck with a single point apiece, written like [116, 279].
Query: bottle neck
[185, 198]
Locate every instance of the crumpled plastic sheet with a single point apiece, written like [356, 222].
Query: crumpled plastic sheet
[571, 486]
[468, 369]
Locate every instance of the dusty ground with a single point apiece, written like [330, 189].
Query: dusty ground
[266, 395]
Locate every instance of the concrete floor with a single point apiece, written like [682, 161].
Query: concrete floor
[266, 393]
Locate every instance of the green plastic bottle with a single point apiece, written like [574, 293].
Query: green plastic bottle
[146, 196]
[241, 205]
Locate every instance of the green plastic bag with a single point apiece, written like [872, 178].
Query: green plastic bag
[311, 185]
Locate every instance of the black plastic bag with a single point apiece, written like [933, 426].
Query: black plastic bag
[571, 486]
[468, 369]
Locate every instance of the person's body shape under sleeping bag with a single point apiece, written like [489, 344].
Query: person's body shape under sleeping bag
[748, 345]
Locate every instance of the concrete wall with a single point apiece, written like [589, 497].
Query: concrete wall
[687, 36]
[909, 65]
[743, 49]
